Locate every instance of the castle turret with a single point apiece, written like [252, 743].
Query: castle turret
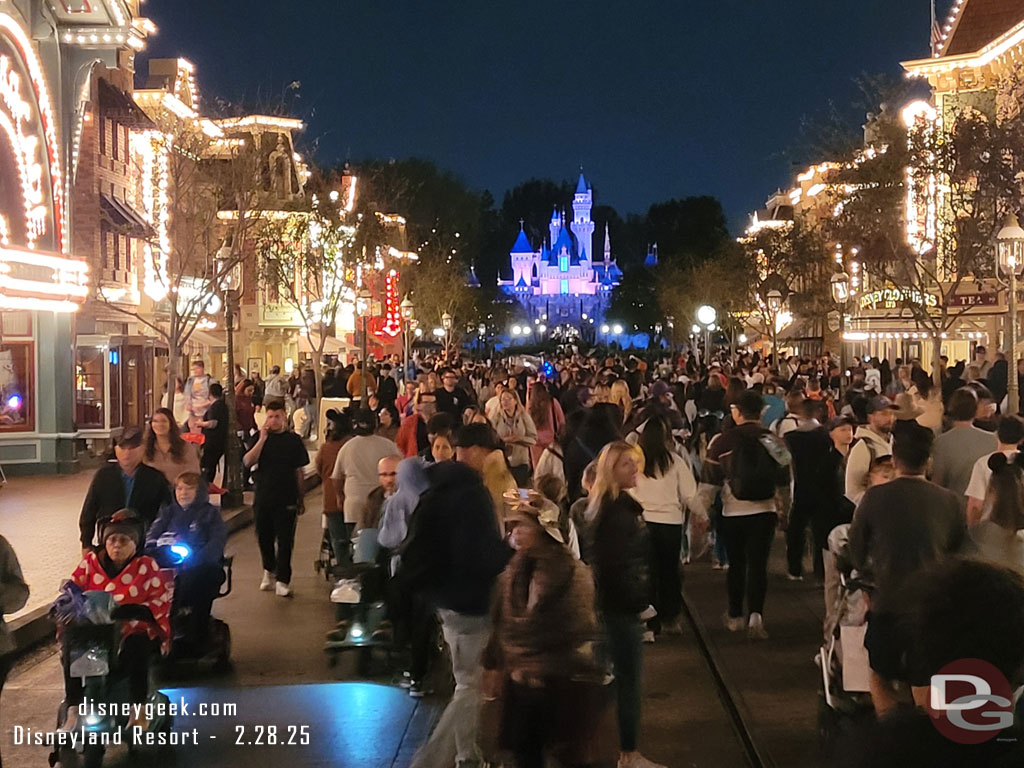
[582, 226]
[555, 226]
[522, 257]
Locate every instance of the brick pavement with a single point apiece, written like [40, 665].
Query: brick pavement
[39, 516]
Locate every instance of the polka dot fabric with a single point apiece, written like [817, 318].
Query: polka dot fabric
[142, 582]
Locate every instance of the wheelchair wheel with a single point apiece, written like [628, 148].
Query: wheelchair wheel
[92, 756]
[67, 757]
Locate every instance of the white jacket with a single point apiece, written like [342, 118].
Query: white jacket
[664, 498]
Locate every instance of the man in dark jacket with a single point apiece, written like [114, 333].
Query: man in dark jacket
[126, 483]
[215, 432]
[453, 555]
[817, 493]
[451, 398]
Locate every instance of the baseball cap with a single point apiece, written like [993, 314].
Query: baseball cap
[880, 403]
[659, 388]
[131, 437]
[841, 421]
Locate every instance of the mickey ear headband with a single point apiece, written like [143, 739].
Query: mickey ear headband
[1000, 461]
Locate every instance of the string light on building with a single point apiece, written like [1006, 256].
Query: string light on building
[26, 142]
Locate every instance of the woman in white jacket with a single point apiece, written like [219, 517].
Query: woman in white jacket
[664, 489]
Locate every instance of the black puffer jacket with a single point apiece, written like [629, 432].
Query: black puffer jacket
[618, 550]
[454, 551]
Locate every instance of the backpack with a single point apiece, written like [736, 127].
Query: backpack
[759, 464]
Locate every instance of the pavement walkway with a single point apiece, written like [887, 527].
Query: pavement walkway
[775, 683]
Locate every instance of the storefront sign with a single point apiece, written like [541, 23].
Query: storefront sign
[279, 314]
[974, 300]
[896, 298]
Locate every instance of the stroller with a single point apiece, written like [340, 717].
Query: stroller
[842, 658]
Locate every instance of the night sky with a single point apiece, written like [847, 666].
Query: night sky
[655, 99]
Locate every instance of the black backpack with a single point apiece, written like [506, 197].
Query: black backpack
[758, 465]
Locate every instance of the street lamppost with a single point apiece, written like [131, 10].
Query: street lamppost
[840, 284]
[230, 273]
[657, 333]
[481, 331]
[706, 316]
[671, 320]
[446, 324]
[774, 307]
[695, 336]
[406, 308]
[363, 307]
[1010, 242]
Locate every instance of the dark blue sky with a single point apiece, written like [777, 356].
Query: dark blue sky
[656, 99]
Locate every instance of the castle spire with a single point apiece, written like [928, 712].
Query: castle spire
[607, 245]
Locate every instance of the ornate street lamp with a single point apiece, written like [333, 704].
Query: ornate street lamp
[229, 270]
[406, 308]
[363, 299]
[774, 299]
[1010, 249]
[446, 323]
[840, 284]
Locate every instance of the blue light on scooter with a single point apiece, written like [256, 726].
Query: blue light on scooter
[356, 632]
[91, 721]
[181, 552]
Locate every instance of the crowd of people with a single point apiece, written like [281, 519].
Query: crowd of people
[540, 511]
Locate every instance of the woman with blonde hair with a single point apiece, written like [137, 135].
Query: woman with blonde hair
[619, 552]
[518, 432]
[619, 395]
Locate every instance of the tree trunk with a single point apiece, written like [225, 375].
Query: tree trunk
[936, 362]
[318, 378]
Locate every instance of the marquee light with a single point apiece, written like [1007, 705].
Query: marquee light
[262, 121]
[26, 147]
[22, 285]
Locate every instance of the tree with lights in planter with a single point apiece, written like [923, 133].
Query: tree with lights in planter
[312, 258]
[922, 206]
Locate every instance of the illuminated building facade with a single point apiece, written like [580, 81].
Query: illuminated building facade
[561, 283]
[48, 49]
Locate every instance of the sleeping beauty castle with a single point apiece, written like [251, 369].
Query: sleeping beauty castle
[560, 283]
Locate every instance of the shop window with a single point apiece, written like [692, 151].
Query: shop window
[90, 366]
[17, 406]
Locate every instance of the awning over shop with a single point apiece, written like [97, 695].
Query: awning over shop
[125, 218]
[805, 329]
[332, 345]
[119, 106]
[206, 339]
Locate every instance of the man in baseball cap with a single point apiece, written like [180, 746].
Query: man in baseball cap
[871, 441]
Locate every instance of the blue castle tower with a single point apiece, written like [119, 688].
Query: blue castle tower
[560, 283]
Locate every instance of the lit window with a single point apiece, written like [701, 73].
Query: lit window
[565, 287]
[563, 263]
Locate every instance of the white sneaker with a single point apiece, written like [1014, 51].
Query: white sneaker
[647, 636]
[282, 590]
[268, 582]
[755, 627]
[733, 623]
[793, 577]
[636, 760]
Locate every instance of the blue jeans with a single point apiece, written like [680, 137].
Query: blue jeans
[623, 632]
[454, 740]
[340, 533]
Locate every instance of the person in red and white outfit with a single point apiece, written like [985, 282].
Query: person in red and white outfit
[119, 567]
